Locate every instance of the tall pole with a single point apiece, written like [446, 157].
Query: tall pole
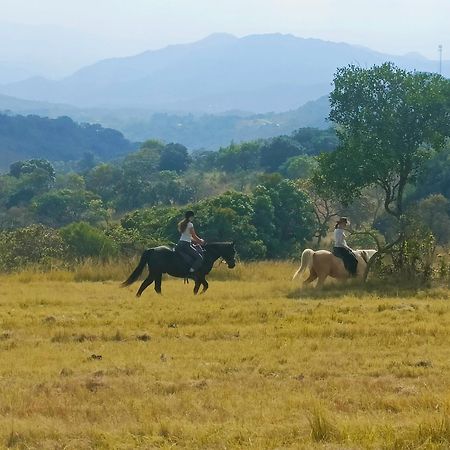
[440, 58]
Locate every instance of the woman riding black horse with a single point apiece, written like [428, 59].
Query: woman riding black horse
[164, 260]
[187, 239]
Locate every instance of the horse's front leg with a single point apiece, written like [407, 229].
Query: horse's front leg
[321, 281]
[205, 285]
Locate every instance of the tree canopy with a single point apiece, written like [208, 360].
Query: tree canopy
[61, 139]
[389, 122]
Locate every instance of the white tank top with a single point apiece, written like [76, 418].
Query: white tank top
[339, 238]
[186, 235]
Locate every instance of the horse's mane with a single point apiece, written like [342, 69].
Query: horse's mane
[208, 244]
[161, 247]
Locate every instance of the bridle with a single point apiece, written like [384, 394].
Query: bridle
[228, 261]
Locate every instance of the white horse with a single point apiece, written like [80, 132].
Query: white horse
[322, 264]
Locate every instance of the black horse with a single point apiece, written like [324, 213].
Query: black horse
[165, 260]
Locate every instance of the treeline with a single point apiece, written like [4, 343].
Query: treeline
[61, 139]
[120, 208]
[287, 155]
[272, 221]
[246, 192]
[157, 174]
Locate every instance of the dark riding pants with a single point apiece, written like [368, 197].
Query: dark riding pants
[186, 248]
[350, 261]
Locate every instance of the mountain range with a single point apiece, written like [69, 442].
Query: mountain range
[255, 74]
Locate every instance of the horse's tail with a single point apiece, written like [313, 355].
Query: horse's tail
[306, 263]
[140, 267]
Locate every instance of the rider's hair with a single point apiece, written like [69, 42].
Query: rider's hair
[341, 220]
[182, 225]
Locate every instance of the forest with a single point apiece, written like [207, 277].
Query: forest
[271, 196]
[61, 139]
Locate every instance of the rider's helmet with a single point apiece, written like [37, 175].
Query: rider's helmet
[189, 214]
[343, 220]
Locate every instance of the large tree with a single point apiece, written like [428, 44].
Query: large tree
[174, 157]
[277, 150]
[389, 122]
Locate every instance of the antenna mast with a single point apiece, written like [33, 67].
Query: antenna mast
[440, 58]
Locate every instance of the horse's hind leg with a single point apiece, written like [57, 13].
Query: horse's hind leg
[321, 281]
[158, 281]
[145, 284]
[197, 285]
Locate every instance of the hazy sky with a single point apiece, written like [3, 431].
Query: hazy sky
[394, 26]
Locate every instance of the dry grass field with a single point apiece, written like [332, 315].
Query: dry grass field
[253, 364]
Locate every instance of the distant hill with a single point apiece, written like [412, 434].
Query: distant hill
[10, 72]
[25, 137]
[212, 131]
[258, 73]
[16, 105]
[195, 131]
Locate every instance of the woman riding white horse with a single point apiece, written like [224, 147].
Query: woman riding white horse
[342, 264]
[341, 249]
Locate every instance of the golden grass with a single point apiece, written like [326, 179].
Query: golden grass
[255, 363]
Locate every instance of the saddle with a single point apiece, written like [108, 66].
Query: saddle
[184, 256]
[189, 260]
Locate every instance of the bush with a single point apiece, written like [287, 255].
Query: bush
[32, 245]
[155, 226]
[129, 241]
[85, 241]
[413, 257]
[59, 208]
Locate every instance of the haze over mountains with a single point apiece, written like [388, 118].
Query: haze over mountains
[256, 73]
[207, 131]
[204, 94]
[50, 51]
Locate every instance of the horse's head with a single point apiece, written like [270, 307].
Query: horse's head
[366, 254]
[226, 251]
[229, 254]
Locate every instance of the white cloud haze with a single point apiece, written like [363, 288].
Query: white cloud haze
[118, 27]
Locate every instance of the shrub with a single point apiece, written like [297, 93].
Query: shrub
[85, 241]
[35, 244]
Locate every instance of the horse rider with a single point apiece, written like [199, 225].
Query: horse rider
[341, 249]
[187, 238]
